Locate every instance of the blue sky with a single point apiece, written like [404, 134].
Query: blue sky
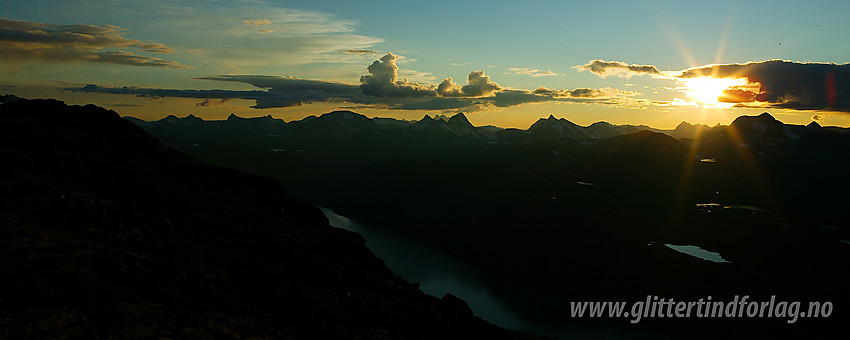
[520, 46]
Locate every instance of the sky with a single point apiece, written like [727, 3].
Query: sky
[655, 63]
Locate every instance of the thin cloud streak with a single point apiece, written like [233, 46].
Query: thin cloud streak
[531, 72]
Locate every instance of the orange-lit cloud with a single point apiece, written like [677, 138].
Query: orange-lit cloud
[784, 84]
[769, 84]
[604, 69]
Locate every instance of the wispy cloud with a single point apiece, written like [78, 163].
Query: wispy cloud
[531, 72]
[246, 36]
[25, 41]
[359, 51]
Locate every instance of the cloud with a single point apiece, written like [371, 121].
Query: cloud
[770, 84]
[604, 69]
[212, 102]
[291, 84]
[606, 92]
[477, 85]
[264, 31]
[257, 22]
[382, 81]
[784, 84]
[381, 88]
[280, 91]
[448, 88]
[541, 94]
[532, 72]
[25, 41]
[359, 51]
[230, 45]
[128, 58]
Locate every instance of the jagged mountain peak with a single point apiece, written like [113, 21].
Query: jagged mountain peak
[764, 119]
[170, 119]
[460, 120]
[684, 124]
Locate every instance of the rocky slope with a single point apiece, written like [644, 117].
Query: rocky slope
[104, 233]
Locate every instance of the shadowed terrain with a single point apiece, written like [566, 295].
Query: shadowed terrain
[105, 233]
[561, 213]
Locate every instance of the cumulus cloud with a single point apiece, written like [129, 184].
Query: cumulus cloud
[448, 88]
[382, 81]
[25, 41]
[477, 85]
[532, 72]
[616, 68]
[784, 84]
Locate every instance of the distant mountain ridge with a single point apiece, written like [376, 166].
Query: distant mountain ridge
[347, 123]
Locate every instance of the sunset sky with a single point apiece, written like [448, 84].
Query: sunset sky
[510, 63]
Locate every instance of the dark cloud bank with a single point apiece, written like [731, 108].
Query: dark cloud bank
[772, 83]
[25, 41]
[785, 84]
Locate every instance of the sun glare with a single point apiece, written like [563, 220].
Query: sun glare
[707, 90]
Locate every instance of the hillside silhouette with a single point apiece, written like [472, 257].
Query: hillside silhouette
[108, 234]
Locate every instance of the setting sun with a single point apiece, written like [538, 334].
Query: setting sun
[707, 90]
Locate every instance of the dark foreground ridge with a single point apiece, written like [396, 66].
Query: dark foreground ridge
[104, 233]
